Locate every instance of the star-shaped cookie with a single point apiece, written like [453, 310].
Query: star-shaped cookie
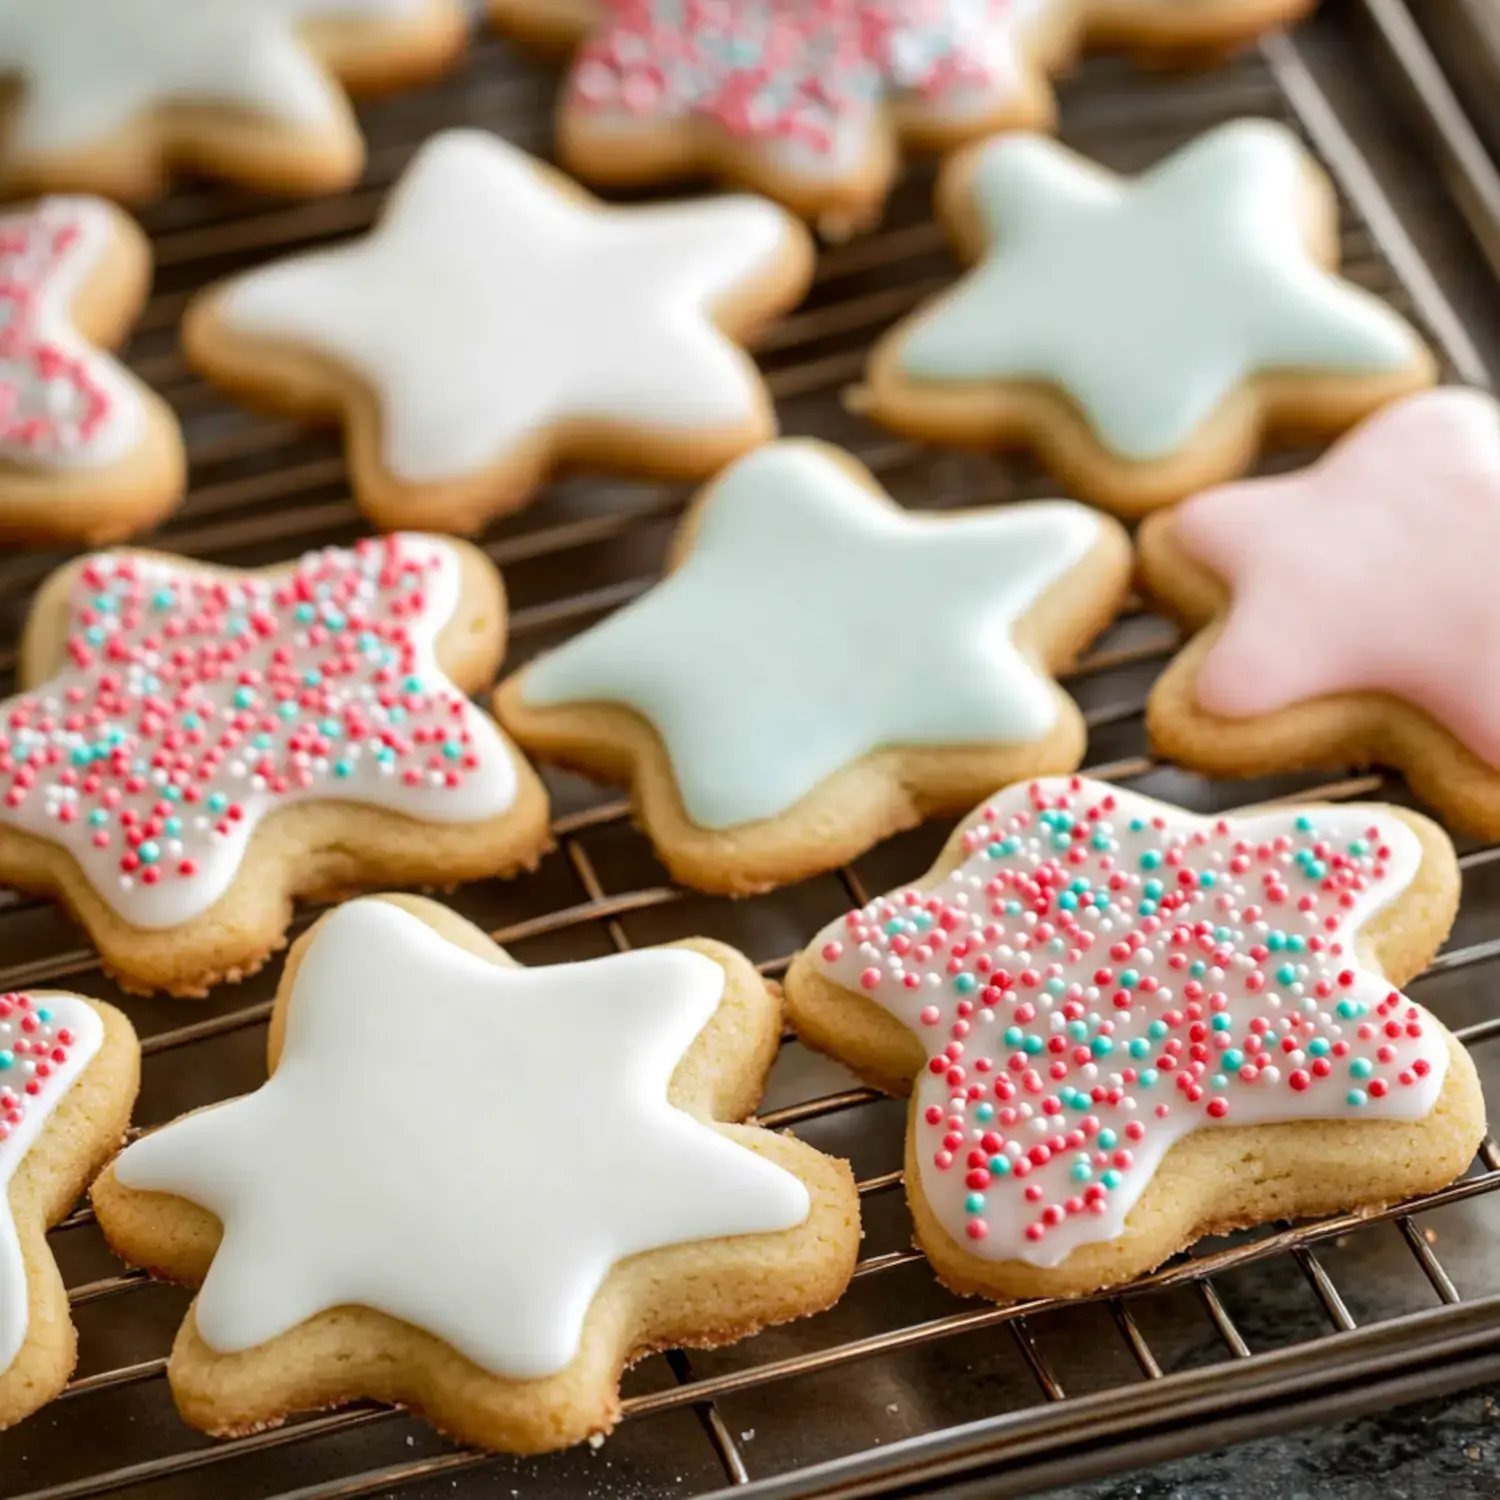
[1143, 336]
[478, 1189]
[110, 95]
[1124, 1026]
[821, 669]
[69, 1069]
[195, 745]
[500, 321]
[1350, 612]
[808, 101]
[87, 452]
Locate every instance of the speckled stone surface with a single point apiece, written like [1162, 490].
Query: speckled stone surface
[1439, 1450]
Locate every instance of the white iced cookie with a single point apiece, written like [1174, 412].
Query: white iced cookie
[558, 1192]
[111, 95]
[499, 322]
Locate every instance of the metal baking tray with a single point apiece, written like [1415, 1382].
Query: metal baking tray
[903, 1387]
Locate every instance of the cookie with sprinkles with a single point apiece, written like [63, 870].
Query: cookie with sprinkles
[500, 323]
[808, 101]
[821, 668]
[1345, 614]
[1144, 336]
[479, 1190]
[1124, 1026]
[69, 1069]
[112, 96]
[193, 746]
[87, 452]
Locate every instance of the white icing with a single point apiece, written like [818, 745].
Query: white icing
[1149, 301]
[82, 1020]
[815, 622]
[91, 68]
[465, 1146]
[1024, 935]
[61, 808]
[489, 306]
[48, 254]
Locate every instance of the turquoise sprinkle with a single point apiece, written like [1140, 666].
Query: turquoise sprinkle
[1149, 1077]
[263, 741]
[172, 793]
[149, 852]
[1276, 941]
[1000, 1166]
[1078, 1031]
[922, 921]
[1111, 1178]
[1137, 825]
[191, 721]
[1068, 901]
[1357, 1097]
[894, 926]
[1150, 860]
[1221, 1022]
[305, 614]
[1197, 968]
[98, 817]
[312, 677]
[95, 635]
[334, 617]
[172, 827]
[395, 713]
[1147, 908]
[1315, 869]
[287, 710]
[342, 768]
[43, 1014]
[1014, 1036]
[104, 603]
[1361, 1067]
[1140, 1047]
[81, 755]
[1101, 840]
[1081, 1172]
[1107, 1139]
[1286, 974]
[1234, 1059]
[1207, 877]
[452, 749]
[965, 984]
[1034, 1044]
[1220, 1081]
[331, 728]
[1304, 824]
[1012, 908]
[412, 685]
[1129, 979]
[1358, 847]
[1296, 942]
[1318, 1046]
[974, 1203]
[7, 1060]
[1156, 1030]
[1349, 1009]
[1154, 889]
[984, 1110]
[217, 801]
[1057, 986]
[163, 599]
[1102, 1046]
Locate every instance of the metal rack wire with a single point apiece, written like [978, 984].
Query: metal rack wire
[262, 490]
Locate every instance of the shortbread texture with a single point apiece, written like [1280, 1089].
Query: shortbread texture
[472, 1276]
[1124, 1026]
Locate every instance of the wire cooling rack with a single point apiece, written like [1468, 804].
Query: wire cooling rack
[902, 1387]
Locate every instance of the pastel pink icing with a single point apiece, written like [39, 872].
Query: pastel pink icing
[1372, 570]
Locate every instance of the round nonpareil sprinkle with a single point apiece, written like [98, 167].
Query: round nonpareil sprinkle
[1103, 974]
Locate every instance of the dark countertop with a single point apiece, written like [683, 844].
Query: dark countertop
[1448, 1449]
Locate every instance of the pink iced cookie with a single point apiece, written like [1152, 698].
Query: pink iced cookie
[1351, 610]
